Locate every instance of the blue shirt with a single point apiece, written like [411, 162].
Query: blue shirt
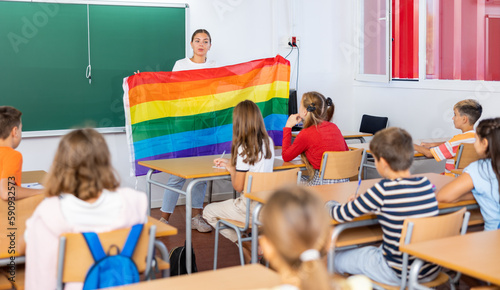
[486, 192]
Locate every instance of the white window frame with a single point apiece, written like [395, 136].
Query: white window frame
[382, 78]
[479, 89]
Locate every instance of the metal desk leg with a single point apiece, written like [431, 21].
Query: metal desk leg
[148, 189]
[255, 231]
[337, 230]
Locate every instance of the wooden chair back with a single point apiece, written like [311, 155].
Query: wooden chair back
[267, 181]
[22, 210]
[431, 228]
[466, 155]
[341, 164]
[76, 258]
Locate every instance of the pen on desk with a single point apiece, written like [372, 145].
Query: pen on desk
[357, 189]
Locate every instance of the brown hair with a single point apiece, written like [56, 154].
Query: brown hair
[82, 166]
[489, 129]
[249, 132]
[319, 109]
[201, 31]
[395, 145]
[471, 108]
[294, 220]
[10, 117]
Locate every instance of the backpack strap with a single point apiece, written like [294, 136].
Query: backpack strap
[133, 237]
[94, 245]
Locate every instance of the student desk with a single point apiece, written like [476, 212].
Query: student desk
[366, 147]
[199, 168]
[23, 209]
[253, 276]
[474, 254]
[341, 193]
[346, 134]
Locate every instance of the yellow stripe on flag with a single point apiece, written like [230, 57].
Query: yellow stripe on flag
[204, 104]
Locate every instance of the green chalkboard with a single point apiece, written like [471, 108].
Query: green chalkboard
[44, 56]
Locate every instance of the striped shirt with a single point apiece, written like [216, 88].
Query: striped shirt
[393, 201]
[448, 150]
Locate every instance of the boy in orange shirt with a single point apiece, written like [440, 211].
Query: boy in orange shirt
[11, 161]
[466, 114]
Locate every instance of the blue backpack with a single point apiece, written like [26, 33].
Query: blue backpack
[116, 270]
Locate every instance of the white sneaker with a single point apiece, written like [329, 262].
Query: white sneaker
[200, 224]
[163, 220]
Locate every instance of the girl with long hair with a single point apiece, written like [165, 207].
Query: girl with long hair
[201, 42]
[482, 177]
[252, 150]
[83, 195]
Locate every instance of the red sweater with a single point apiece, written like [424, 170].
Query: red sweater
[314, 141]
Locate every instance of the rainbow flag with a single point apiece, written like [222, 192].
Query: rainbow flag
[189, 113]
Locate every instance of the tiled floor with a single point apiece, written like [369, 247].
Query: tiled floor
[203, 243]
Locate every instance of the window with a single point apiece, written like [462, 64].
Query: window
[461, 39]
[374, 50]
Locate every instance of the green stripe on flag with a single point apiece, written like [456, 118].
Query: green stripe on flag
[172, 125]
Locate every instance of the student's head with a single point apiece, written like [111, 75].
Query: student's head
[466, 112]
[295, 235]
[395, 147]
[201, 41]
[82, 166]
[10, 124]
[315, 108]
[487, 143]
[249, 132]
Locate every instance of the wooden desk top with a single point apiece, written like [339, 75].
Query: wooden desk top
[342, 191]
[202, 166]
[366, 146]
[474, 254]
[162, 229]
[33, 176]
[251, 276]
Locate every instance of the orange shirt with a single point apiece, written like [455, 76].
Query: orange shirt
[11, 163]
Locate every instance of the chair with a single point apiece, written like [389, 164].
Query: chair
[75, 259]
[342, 164]
[466, 155]
[254, 182]
[424, 229]
[372, 124]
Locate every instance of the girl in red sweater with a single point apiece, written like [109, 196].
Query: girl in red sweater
[319, 135]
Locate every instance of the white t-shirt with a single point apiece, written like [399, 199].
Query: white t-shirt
[263, 165]
[187, 64]
[78, 212]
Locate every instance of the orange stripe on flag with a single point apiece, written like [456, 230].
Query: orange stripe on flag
[181, 90]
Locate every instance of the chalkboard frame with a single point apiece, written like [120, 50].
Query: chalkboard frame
[119, 129]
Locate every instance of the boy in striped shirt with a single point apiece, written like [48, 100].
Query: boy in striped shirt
[466, 114]
[396, 197]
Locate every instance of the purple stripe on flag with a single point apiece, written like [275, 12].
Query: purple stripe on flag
[277, 136]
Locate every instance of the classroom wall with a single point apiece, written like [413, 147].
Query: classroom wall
[243, 30]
